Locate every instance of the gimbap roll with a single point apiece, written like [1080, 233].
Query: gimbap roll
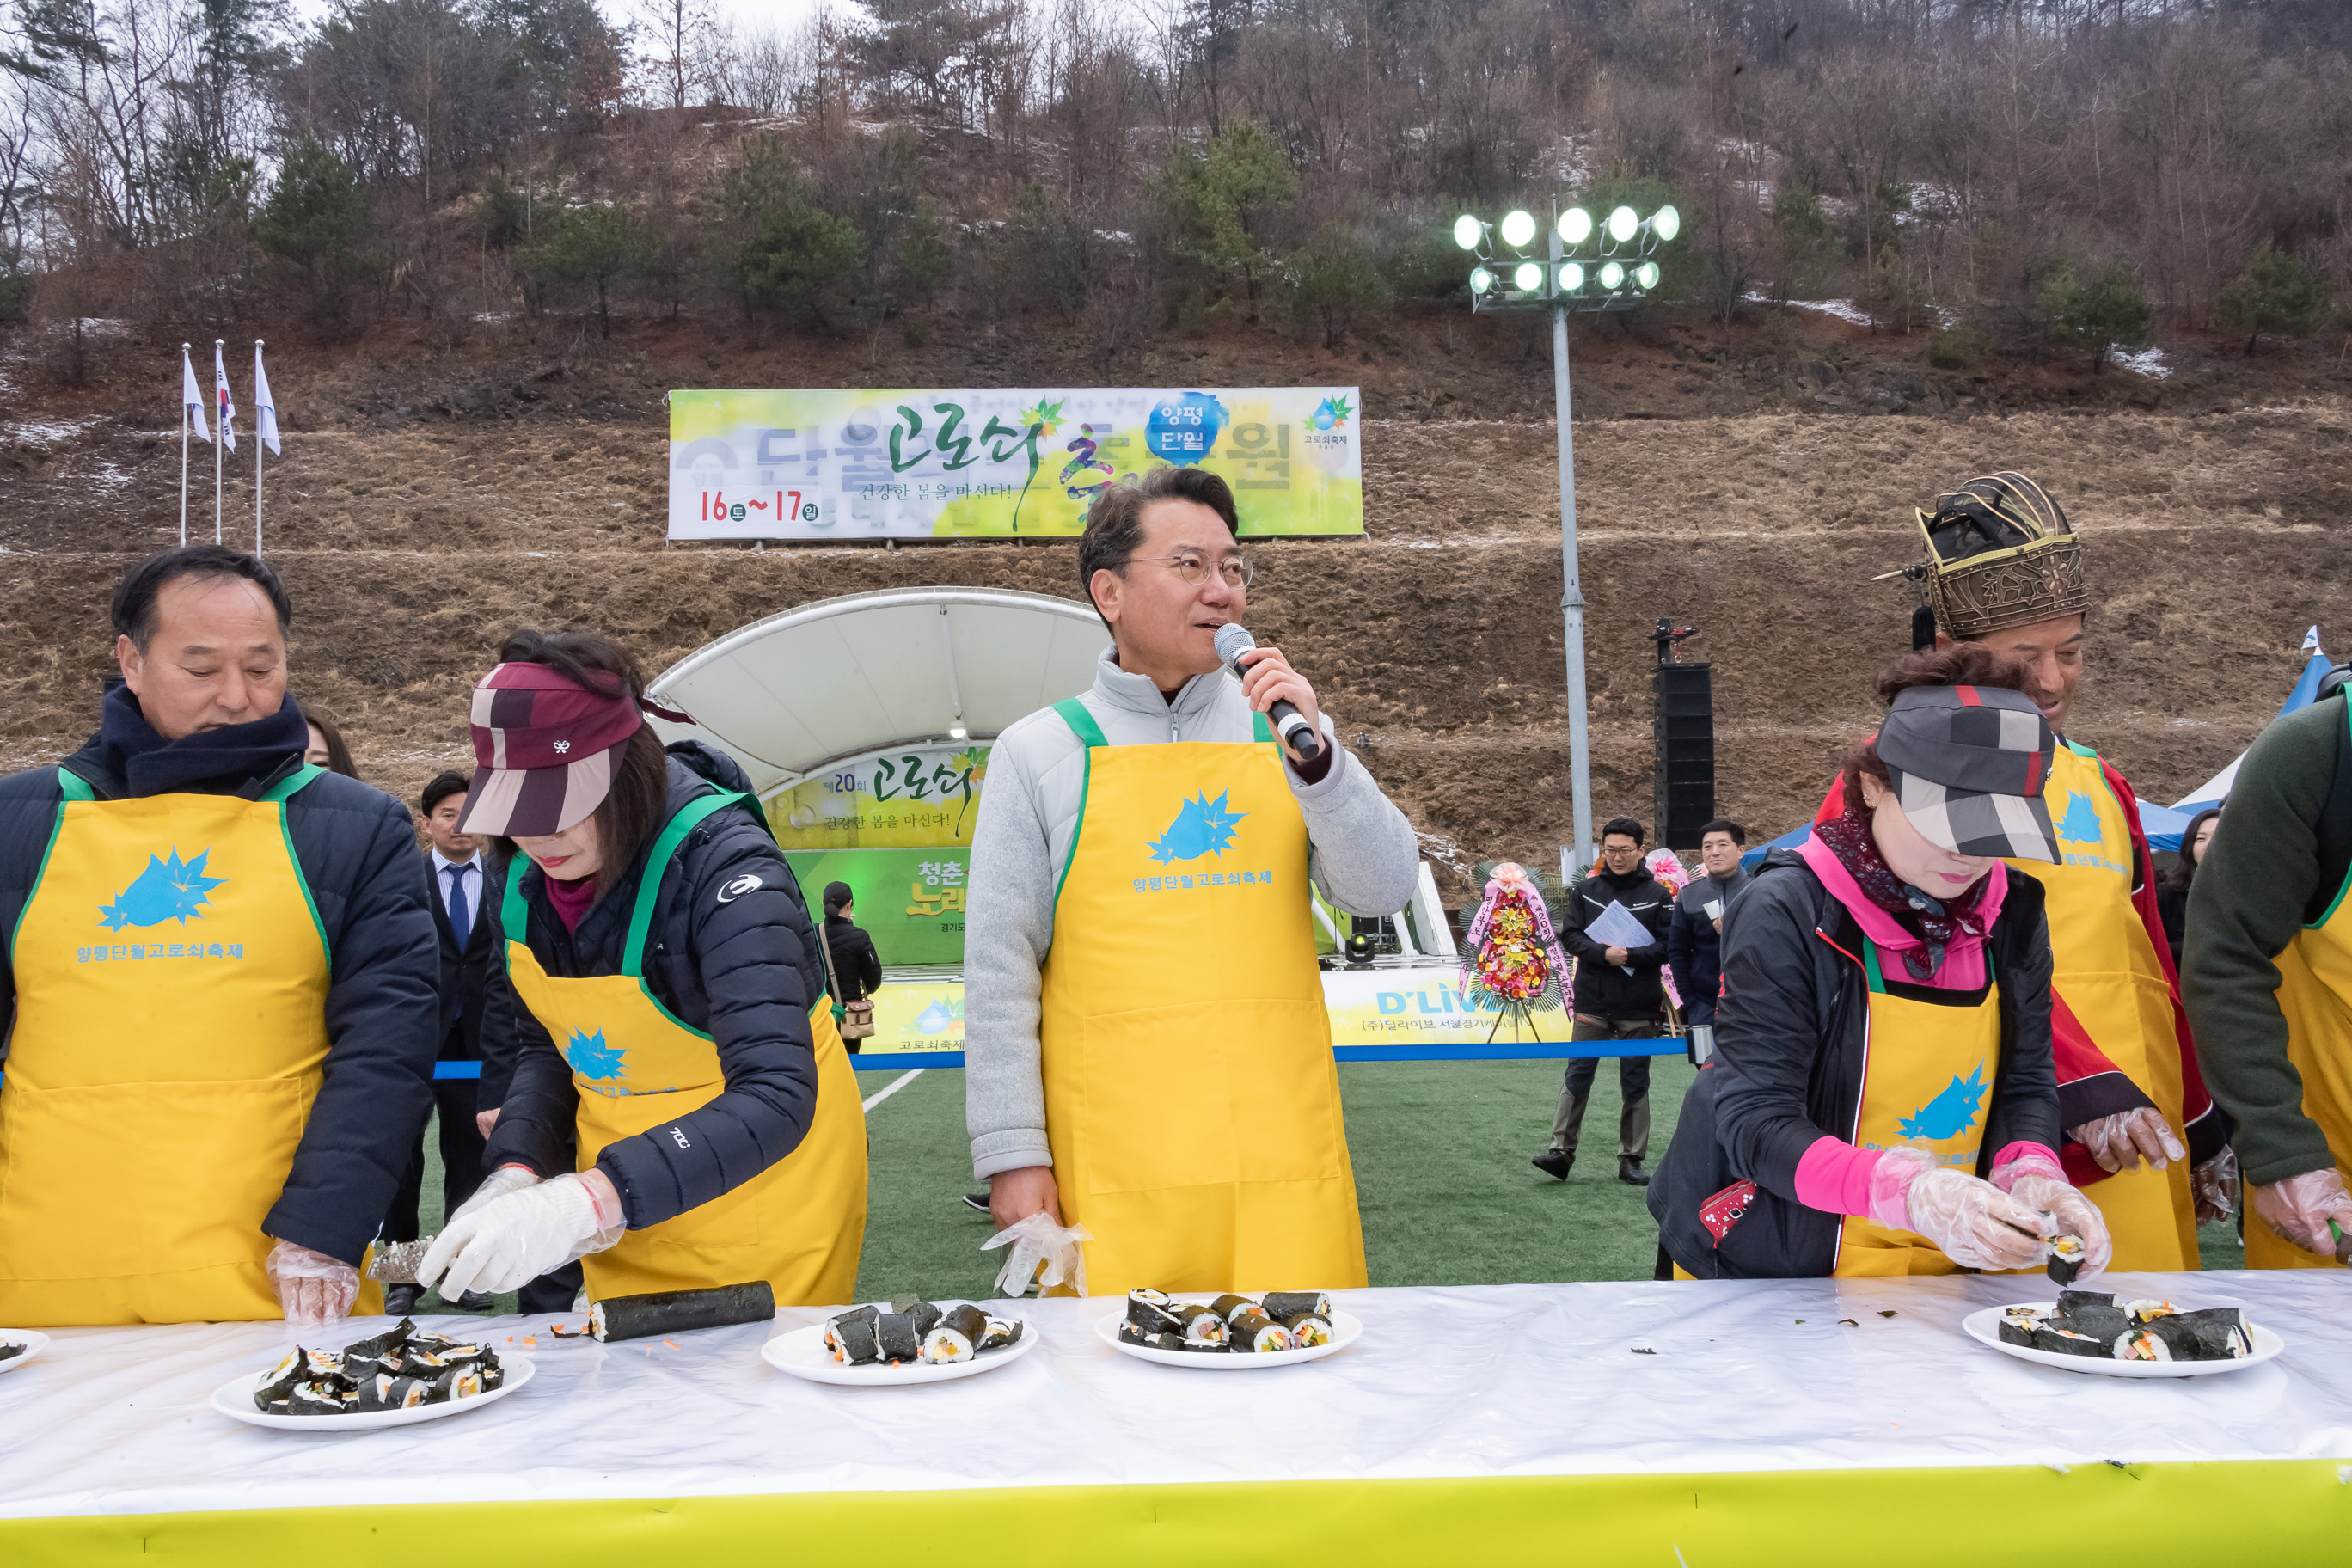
[1262, 1335]
[1154, 1317]
[280, 1379]
[1202, 1324]
[1246, 1320]
[943, 1346]
[1000, 1333]
[896, 1336]
[1308, 1330]
[679, 1311]
[851, 1339]
[317, 1398]
[1226, 1305]
[1282, 1304]
[2067, 1257]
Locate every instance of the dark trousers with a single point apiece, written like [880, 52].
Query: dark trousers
[1632, 1086]
[454, 1100]
[553, 1291]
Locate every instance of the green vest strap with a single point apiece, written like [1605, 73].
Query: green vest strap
[1074, 713]
[74, 786]
[641, 917]
[1260, 727]
[286, 788]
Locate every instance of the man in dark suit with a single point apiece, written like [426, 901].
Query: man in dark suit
[460, 881]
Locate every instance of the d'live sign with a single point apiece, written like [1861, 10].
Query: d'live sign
[923, 463]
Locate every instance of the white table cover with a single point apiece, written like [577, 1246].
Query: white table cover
[1510, 1380]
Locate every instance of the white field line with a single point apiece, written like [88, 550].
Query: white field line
[893, 1087]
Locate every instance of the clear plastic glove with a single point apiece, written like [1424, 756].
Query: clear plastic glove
[522, 1235]
[2039, 1182]
[1977, 1224]
[313, 1289]
[2215, 1185]
[497, 1184]
[2121, 1141]
[1040, 1240]
[2300, 1208]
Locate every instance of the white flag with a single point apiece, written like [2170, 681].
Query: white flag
[228, 403]
[265, 408]
[192, 399]
[2311, 640]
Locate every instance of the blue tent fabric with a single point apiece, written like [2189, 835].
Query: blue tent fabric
[1750, 859]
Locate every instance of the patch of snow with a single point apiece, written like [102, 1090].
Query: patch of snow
[494, 317]
[1115, 236]
[46, 432]
[2148, 362]
[107, 477]
[1567, 162]
[1843, 310]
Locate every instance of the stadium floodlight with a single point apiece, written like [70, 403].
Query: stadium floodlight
[1576, 225]
[1646, 276]
[1518, 227]
[1529, 277]
[1469, 231]
[1613, 276]
[1481, 280]
[1571, 278]
[1666, 223]
[1622, 224]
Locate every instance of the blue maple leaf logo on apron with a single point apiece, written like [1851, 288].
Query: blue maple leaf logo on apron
[170, 890]
[2080, 823]
[592, 1058]
[1950, 1113]
[1203, 826]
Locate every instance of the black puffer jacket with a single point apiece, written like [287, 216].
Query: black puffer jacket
[358, 855]
[744, 971]
[1790, 1036]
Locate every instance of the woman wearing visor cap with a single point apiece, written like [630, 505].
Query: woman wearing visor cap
[1882, 1101]
[663, 997]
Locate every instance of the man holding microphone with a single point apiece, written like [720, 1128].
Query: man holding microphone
[1146, 1045]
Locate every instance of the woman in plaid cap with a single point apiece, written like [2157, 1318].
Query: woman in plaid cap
[1881, 1100]
[663, 999]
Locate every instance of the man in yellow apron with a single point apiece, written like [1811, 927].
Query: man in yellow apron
[1147, 1050]
[2269, 980]
[2005, 569]
[661, 993]
[224, 978]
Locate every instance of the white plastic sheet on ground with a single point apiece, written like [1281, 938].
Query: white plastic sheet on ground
[1510, 1381]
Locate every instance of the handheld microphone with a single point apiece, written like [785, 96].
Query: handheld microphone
[1233, 641]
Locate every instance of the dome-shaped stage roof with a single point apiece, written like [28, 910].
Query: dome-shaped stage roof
[898, 666]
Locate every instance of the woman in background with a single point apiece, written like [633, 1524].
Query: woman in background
[327, 749]
[2172, 888]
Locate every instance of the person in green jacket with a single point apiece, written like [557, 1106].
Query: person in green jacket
[2268, 980]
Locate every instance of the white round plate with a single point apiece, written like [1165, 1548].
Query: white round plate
[234, 1399]
[802, 1353]
[33, 1339]
[1346, 1330]
[1985, 1327]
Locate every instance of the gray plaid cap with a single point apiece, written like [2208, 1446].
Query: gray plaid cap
[1969, 764]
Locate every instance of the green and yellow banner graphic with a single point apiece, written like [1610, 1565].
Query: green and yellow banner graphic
[926, 463]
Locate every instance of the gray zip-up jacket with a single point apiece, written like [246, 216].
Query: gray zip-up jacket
[1363, 858]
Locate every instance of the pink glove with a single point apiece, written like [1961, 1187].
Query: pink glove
[2120, 1142]
[2215, 1186]
[2300, 1208]
[1977, 1224]
[313, 1289]
[2033, 1176]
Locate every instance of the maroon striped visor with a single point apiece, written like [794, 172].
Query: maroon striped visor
[545, 751]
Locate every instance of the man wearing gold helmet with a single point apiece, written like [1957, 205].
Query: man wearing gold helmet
[2144, 1140]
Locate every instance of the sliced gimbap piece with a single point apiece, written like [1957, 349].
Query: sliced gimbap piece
[1262, 1335]
[1226, 1305]
[2219, 1333]
[280, 1379]
[2067, 1256]
[1201, 1324]
[376, 1393]
[2072, 1301]
[1130, 1333]
[1282, 1304]
[898, 1339]
[2067, 1341]
[1157, 1297]
[1000, 1333]
[2017, 1331]
[317, 1365]
[9, 1349]
[944, 1345]
[1199, 1347]
[968, 1320]
[679, 1311]
[427, 1341]
[2146, 1309]
[494, 1375]
[867, 1314]
[927, 1316]
[374, 1347]
[851, 1341]
[315, 1399]
[1308, 1330]
[1245, 1321]
[2141, 1344]
[1154, 1317]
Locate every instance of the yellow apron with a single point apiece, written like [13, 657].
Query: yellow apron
[2106, 969]
[1926, 1079]
[170, 1034]
[800, 1223]
[1192, 1102]
[2315, 993]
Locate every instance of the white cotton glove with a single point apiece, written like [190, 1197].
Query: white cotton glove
[2214, 1184]
[313, 1289]
[2300, 1208]
[521, 1234]
[2121, 1141]
[497, 1184]
[2037, 1181]
[1976, 1223]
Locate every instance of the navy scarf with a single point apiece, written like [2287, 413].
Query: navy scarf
[234, 759]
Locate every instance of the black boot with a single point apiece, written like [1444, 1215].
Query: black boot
[1629, 1171]
[400, 1301]
[1553, 1162]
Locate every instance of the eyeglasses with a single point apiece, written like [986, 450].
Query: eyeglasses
[1234, 569]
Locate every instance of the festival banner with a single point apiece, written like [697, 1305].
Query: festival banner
[1004, 462]
[1426, 1007]
[923, 1015]
[910, 901]
[905, 797]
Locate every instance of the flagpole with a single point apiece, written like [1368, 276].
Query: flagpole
[219, 442]
[256, 459]
[184, 458]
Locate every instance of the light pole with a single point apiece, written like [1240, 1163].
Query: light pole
[1590, 268]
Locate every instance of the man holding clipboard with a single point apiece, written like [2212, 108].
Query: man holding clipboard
[1614, 925]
